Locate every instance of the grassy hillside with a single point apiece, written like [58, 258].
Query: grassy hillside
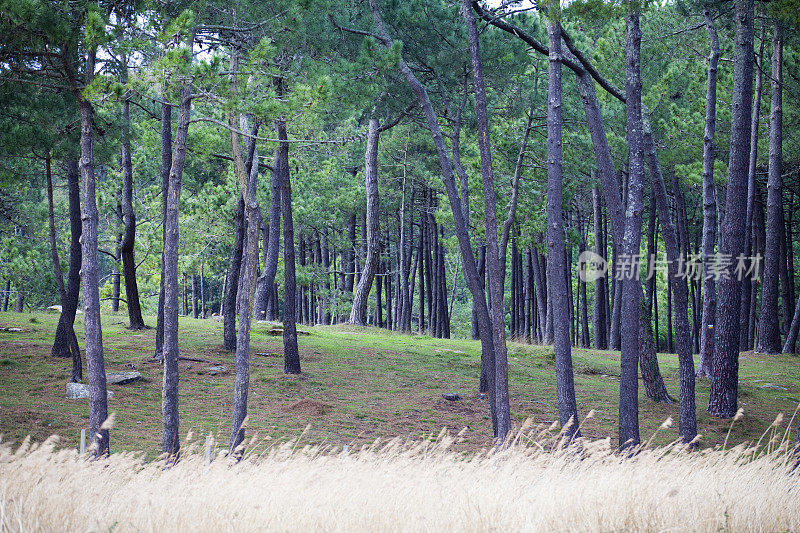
[357, 385]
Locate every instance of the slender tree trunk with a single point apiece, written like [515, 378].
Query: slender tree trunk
[170, 441]
[115, 286]
[631, 285]
[494, 265]
[499, 421]
[599, 319]
[129, 220]
[6, 295]
[565, 387]
[202, 292]
[745, 317]
[166, 166]
[687, 418]
[98, 409]
[769, 334]
[709, 204]
[267, 279]
[248, 181]
[725, 367]
[229, 319]
[358, 315]
[66, 342]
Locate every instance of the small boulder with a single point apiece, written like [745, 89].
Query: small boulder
[218, 369]
[77, 391]
[120, 378]
[54, 309]
[451, 397]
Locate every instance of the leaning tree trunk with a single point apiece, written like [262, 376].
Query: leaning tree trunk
[358, 314]
[493, 263]
[725, 367]
[687, 418]
[462, 232]
[129, 221]
[565, 386]
[631, 285]
[66, 342]
[769, 333]
[709, 205]
[166, 167]
[98, 408]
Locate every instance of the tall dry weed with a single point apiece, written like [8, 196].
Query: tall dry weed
[533, 484]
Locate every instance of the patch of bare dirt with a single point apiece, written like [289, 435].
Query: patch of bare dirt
[308, 407]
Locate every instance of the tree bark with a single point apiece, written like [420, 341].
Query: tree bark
[166, 166]
[687, 418]
[229, 319]
[769, 333]
[129, 220]
[499, 420]
[631, 285]
[66, 342]
[746, 333]
[248, 180]
[98, 408]
[170, 441]
[358, 314]
[709, 204]
[494, 265]
[565, 386]
[725, 367]
[599, 318]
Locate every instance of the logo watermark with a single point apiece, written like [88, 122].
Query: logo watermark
[592, 267]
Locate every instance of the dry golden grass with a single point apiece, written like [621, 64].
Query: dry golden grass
[532, 485]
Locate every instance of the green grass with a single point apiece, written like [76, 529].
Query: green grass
[358, 384]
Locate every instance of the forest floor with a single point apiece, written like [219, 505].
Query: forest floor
[357, 385]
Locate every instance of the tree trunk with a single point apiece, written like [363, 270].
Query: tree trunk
[494, 266]
[166, 166]
[271, 249]
[745, 316]
[170, 441]
[687, 418]
[709, 205]
[500, 413]
[66, 342]
[129, 221]
[565, 387]
[725, 367]
[769, 334]
[631, 285]
[358, 314]
[599, 319]
[248, 181]
[98, 409]
[229, 319]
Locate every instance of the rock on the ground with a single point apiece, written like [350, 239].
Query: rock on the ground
[214, 370]
[451, 396]
[120, 378]
[772, 386]
[54, 309]
[81, 390]
[275, 332]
